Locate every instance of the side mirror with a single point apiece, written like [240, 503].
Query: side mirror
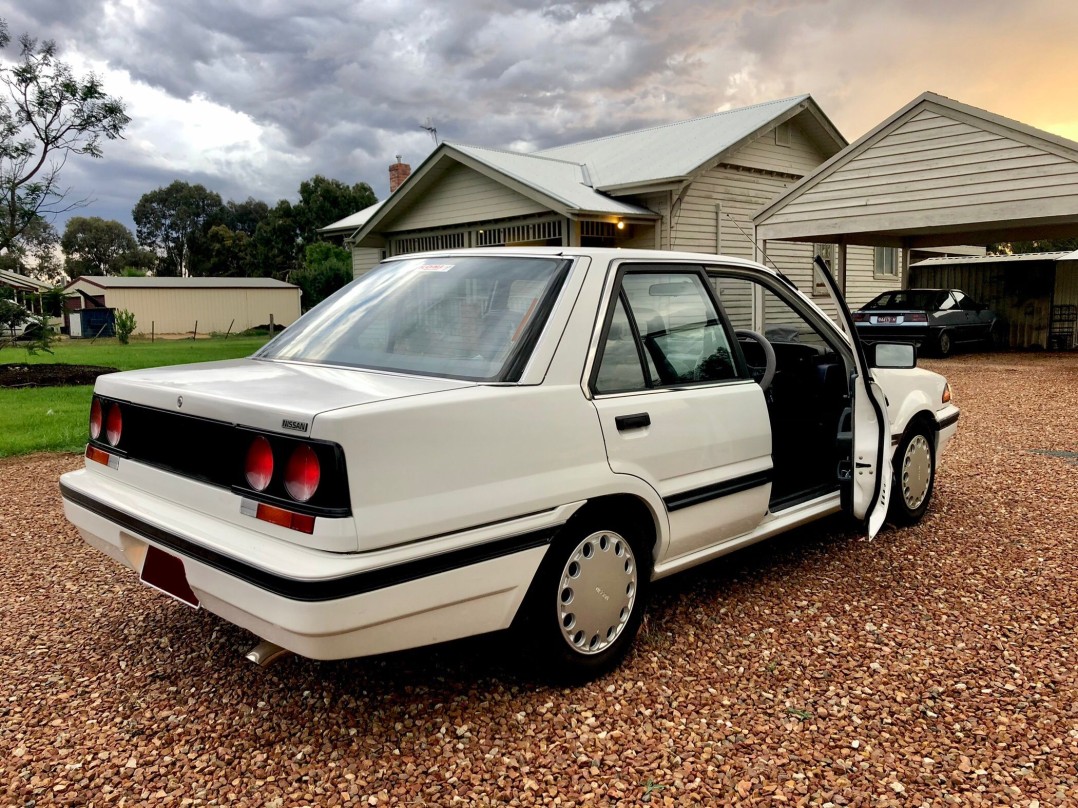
[892, 355]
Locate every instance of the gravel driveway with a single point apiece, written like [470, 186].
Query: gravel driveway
[934, 665]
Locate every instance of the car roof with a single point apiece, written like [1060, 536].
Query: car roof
[599, 253]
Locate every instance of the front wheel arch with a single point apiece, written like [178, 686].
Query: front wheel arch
[906, 507]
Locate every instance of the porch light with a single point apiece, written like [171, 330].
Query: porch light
[621, 224]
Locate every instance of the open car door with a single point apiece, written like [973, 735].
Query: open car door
[865, 476]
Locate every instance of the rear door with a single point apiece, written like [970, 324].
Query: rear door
[678, 408]
[866, 477]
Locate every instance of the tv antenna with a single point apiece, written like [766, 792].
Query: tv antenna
[430, 129]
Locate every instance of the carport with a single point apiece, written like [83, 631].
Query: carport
[936, 173]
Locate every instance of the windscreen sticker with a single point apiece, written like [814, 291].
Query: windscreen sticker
[434, 267]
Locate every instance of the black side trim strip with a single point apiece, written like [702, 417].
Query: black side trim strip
[698, 496]
[946, 422]
[314, 591]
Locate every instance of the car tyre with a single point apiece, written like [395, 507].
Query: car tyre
[586, 602]
[944, 343]
[914, 467]
[997, 337]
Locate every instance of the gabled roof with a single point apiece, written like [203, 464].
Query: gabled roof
[349, 224]
[24, 283]
[123, 282]
[675, 151]
[579, 178]
[566, 182]
[936, 172]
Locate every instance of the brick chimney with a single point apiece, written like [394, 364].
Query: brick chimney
[398, 173]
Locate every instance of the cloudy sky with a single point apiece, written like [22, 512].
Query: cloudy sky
[251, 98]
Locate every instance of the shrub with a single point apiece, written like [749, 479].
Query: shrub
[42, 335]
[125, 325]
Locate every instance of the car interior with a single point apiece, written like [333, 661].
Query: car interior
[808, 397]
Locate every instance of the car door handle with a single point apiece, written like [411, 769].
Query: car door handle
[638, 420]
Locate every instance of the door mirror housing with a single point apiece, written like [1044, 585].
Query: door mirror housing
[892, 355]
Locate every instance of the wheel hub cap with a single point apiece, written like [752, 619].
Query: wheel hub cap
[916, 472]
[596, 592]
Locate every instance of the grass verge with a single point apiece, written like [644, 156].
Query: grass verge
[53, 419]
[140, 353]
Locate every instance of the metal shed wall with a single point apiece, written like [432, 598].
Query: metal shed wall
[172, 310]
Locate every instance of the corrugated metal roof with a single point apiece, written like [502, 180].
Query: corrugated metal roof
[560, 179]
[19, 281]
[353, 222]
[669, 150]
[997, 259]
[114, 282]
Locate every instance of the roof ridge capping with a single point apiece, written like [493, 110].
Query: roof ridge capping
[793, 99]
[535, 155]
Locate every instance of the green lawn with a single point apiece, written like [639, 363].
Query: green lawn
[53, 419]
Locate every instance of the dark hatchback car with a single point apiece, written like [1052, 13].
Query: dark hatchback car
[936, 319]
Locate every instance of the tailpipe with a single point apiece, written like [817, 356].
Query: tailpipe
[266, 653]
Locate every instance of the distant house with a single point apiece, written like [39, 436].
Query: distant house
[179, 305]
[25, 289]
[692, 185]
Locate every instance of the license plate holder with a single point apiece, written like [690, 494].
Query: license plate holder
[165, 573]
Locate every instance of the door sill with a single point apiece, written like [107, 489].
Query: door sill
[778, 504]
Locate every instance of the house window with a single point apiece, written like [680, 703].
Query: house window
[885, 262]
[827, 253]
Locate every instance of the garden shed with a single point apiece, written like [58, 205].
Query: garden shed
[184, 305]
[1036, 294]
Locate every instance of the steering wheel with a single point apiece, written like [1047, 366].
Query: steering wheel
[768, 371]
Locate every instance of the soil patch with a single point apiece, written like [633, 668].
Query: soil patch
[23, 375]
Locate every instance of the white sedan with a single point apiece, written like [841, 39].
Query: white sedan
[522, 439]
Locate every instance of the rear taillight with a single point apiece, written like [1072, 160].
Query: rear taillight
[259, 466]
[302, 474]
[97, 419]
[860, 317]
[114, 425]
[916, 317]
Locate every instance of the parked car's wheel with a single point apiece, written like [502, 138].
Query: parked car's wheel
[586, 603]
[997, 336]
[914, 476]
[944, 343]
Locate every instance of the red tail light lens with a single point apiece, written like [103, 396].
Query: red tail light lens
[114, 425]
[916, 317]
[259, 467]
[860, 317]
[97, 419]
[302, 474]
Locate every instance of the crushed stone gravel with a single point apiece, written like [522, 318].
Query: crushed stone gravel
[936, 665]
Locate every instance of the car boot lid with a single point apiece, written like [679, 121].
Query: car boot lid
[264, 394]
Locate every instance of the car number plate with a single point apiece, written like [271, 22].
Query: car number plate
[887, 318]
[166, 573]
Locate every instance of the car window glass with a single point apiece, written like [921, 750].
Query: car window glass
[947, 303]
[679, 327]
[462, 317]
[620, 370]
[773, 317]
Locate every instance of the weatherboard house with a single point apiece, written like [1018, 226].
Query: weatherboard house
[692, 186]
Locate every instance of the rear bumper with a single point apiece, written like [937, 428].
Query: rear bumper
[917, 333]
[321, 604]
